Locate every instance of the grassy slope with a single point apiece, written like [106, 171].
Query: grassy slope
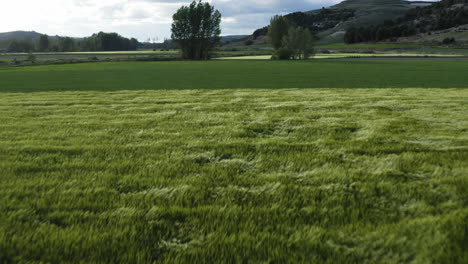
[230, 176]
[373, 11]
[235, 74]
[392, 48]
[368, 12]
[459, 33]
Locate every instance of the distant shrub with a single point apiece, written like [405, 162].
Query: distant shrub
[31, 58]
[249, 42]
[282, 54]
[448, 41]
[156, 58]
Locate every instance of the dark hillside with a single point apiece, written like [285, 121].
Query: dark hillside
[438, 16]
[330, 24]
[316, 21]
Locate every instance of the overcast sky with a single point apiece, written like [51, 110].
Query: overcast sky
[141, 19]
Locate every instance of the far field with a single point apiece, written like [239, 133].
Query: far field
[235, 162]
[358, 55]
[240, 50]
[236, 74]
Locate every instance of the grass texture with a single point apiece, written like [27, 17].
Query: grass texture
[236, 74]
[232, 176]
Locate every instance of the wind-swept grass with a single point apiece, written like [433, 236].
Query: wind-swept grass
[231, 176]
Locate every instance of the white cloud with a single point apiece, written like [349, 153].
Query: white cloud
[137, 18]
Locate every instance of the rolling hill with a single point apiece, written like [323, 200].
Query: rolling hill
[330, 23]
[458, 34]
[367, 12]
[229, 38]
[19, 35]
[443, 20]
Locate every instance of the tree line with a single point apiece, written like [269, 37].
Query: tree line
[97, 42]
[438, 16]
[289, 41]
[196, 30]
[324, 19]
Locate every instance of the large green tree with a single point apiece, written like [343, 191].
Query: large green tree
[43, 43]
[279, 28]
[66, 44]
[299, 42]
[25, 45]
[288, 40]
[196, 29]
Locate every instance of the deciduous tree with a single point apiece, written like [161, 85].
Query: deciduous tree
[299, 41]
[196, 29]
[279, 28]
[43, 43]
[288, 40]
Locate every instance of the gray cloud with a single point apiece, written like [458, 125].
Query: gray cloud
[230, 7]
[243, 17]
[139, 18]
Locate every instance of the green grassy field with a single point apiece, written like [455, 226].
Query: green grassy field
[234, 162]
[264, 51]
[236, 74]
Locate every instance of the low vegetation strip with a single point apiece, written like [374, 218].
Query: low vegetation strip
[231, 176]
[356, 55]
[236, 74]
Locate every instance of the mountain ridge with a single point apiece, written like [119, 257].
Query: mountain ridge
[350, 13]
[438, 18]
[19, 34]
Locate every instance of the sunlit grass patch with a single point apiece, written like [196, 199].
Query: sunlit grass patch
[350, 55]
